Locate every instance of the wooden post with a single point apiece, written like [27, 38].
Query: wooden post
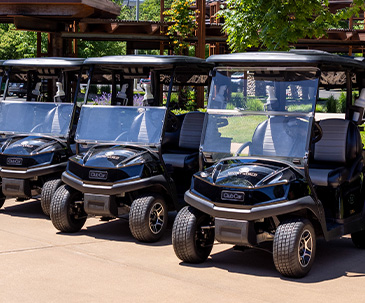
[162, 29]
[200, 33]
[351, 26]
[200, 47]
[39, 44]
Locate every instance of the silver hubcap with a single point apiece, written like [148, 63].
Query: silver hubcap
[305, 248]
[156, 218]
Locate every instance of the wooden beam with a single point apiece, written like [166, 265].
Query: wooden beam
[106, 8]
[37, 24]
[40, 10]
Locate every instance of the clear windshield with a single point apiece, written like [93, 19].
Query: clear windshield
[261, 112]
[122, 124]
[35, 118]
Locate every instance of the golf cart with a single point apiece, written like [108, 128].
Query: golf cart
[281, 177]
[39, 131]
[2, 72]
[134, 156]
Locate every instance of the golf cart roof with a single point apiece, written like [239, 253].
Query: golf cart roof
[152, 61]
[321, 59]
[187, 70]
[46, 62]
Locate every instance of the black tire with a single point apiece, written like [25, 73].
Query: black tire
[190, 243]
[48, 190]
[2, 201]
[2, 198]
[358, 238]
[294, 247]
[148, 218]
[66, 215]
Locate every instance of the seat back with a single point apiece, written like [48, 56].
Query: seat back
[271, 138]
[191, 130]
[340, 142]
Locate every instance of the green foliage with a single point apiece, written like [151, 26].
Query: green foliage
[341, 104]
[320, 108]
[254, 105]
[105, 89]
[18, 44]
[101, 48]
[331, 105]
[183, 25]
[276, 24]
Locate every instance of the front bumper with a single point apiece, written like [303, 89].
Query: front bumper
[28, 173]
[113, 189]
[252, 213]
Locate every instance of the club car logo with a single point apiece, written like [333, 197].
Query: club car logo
[97, 174]
[232, 195]
[14, 161]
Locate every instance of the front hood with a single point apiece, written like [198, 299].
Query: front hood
[247, 173]
[114, 164]
[112, 156]
[248, 181]
[29, 145]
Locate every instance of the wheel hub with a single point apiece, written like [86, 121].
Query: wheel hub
[305, 248]
[157, 218]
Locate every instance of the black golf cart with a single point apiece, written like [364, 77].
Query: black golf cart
[39, 131]
[2, 73]
[284, 174]
[134, 156]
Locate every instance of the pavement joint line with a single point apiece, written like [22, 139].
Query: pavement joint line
[47, 246]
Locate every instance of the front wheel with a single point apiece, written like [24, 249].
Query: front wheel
[67, 211]
[358, 238]
[148, 218]
[48, 190]
[294, 247]
[192, 235]
[2, 198]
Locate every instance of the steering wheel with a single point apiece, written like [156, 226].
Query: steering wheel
[37, 128]
[317, 132]
[172, 123]
[123, 135]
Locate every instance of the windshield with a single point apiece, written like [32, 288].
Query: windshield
[122, 124]
[43, 118]
[260, 112]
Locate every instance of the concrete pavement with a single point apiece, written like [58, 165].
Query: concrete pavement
[103, 263]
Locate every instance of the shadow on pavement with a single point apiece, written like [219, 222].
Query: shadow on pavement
[333, 260]
[27, 209]
[118, 230]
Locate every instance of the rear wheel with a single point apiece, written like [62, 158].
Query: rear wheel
[192, 243]
[358, 238]
[67, 211]
[48, 190]
[294, 247]
[148, 218]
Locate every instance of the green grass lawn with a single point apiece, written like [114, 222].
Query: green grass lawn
[241, 128]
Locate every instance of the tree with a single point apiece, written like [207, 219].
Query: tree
[183, 25]
[150, 9]
[277, 24]
[18, 44]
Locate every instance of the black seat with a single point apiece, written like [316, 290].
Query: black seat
[189, 141]
[278, 136]
[337, 157]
